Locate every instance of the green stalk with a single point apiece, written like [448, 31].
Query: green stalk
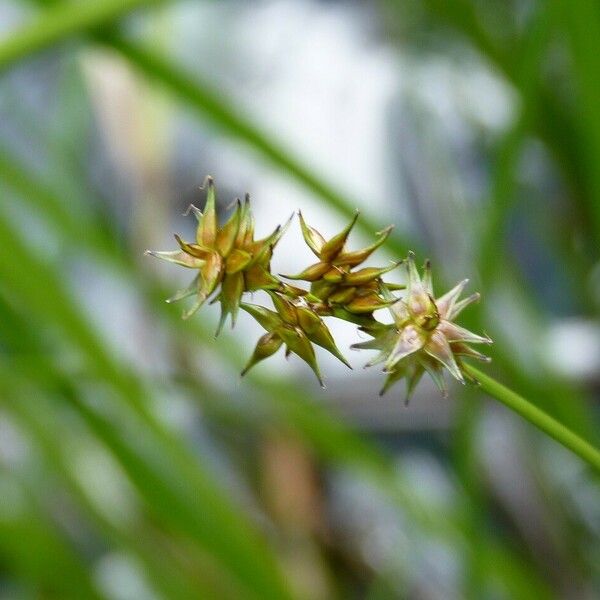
[556, 430]
[60, 22]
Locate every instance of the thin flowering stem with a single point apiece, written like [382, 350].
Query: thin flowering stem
[542, 420]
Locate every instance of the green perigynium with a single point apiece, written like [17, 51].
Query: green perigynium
[230, 262]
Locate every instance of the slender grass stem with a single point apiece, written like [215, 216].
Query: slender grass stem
[556, 430]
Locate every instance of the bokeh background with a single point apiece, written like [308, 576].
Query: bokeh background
[134, 462]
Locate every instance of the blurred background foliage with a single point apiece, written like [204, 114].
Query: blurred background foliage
[134, 462]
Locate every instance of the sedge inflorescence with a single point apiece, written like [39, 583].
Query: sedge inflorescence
[421, 338]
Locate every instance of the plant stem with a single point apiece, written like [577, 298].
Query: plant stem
[563, 435]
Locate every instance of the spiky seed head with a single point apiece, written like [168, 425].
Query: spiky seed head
[229, 260]
[333, 283]
[423, 337]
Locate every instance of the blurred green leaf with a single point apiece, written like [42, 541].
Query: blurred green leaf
[62, 21]
[38, 552]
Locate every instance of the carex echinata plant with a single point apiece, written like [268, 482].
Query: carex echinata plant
[422, 337]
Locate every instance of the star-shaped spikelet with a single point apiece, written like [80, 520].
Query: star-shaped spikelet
[423, 337]
[227, 256]
[333, 283]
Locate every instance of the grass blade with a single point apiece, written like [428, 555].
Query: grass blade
[63, 21]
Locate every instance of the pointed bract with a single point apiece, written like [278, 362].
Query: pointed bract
[343, 296]
[311, 273]
[335, 245]
[299, 344]
[211, 272]
[259, 278]
[194, 250]
[368, 274]
[267, 318]
[415, 372]
[314, 240]
[231, 293]
[226, 236]
[410, 340]
[246, 227]
[439, 348]
[455, 333]
[287, 311]
[393, 377]
[436, 372]
[367, 304]
[427, 282]
[186, 292]
[458, 307]
[177, 257]
[267, 345]
[353, 259]
[206, 233]
[446, 302]
[460, 349]
[237, 261]
[317, 332]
